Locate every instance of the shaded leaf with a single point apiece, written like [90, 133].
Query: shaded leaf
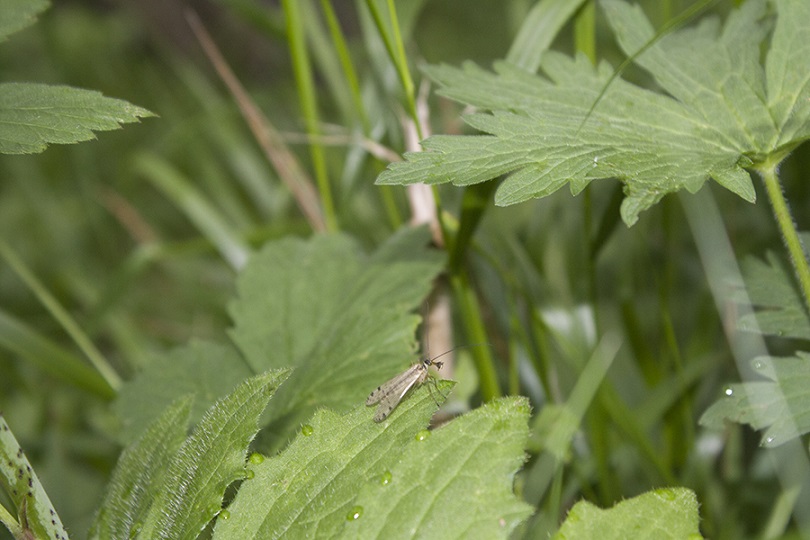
[18, 14]
[782, 404]
[771, 289]
[340, 317]
[661, 514]
[35, 115]
[203, 369]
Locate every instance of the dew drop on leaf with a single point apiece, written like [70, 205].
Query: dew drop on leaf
[667, 494]
[422, 435]
[224, 515]
[728, 391]
[256, 458]
[385, 478]
[307, 430]
[249, 474]
[355, 513]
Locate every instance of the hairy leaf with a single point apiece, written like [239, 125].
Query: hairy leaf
[209, 460]
[348, 477]
[140, 470]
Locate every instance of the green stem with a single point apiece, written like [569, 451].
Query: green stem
[396, 51]
[787, 227]
[471, 318]
[61, 315]
[585, 31]
[306, 89]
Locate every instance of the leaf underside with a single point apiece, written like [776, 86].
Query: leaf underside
[723, 111]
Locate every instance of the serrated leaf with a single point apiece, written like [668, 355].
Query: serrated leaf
[36, 516]
[348, 477]
[339, 317]
[18, 14]
[209, 460]
[139, 472]
[661, 514]
[457, 483]
[723, 112]
[206, 370]
[35, 115]
[771, 289]
[782, 405]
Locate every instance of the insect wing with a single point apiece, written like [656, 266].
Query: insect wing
[390, 402]
[389, 386]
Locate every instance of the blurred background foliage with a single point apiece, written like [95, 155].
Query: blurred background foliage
[106, 227]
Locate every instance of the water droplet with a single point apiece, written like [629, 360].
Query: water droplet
[422, 435]
[256, 458]
[728, 391]
[385, 478]
[769, 441]
[307, 430]
[595, 161]
[249, 474]
[224, 515]
[355, 513]
[759, 364]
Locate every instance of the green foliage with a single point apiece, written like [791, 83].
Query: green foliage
[780, 406]
[178, 231]
[36, 516]
[771, 289]
[662, 514]
[35, 115]
[167, 487]
[727, 112]
[348, 477]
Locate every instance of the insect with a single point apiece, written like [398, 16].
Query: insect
[391, 392]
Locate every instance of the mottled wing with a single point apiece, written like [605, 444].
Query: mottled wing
[392, 399]
[392, 384]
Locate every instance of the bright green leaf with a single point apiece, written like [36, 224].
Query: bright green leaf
[782, 405]
[347, 477]
[662, 514]
[36, 516]
[18, 14]
[722, 112]
[139, 472]
[771, 289]
[209, 460]
[35, 115]
[340, 317]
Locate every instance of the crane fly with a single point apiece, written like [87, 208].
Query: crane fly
[390, 393]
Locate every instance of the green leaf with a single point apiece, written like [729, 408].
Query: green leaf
[661, 514]
[18, 14]
[782, 405]
[36, 516]
[35, 115]
[209, 460]
[206, 370]
[771, 288]
[347, 477]
[140, 471]
[716, 119]
[339, 317]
